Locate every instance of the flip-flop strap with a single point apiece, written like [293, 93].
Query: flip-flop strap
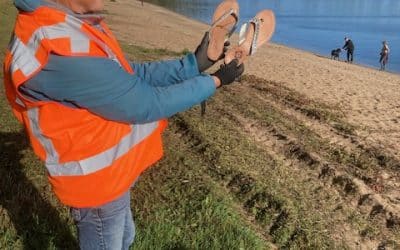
[245, 30]
[227, 14]
[254, 44]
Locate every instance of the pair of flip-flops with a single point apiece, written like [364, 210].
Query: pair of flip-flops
[252, 35]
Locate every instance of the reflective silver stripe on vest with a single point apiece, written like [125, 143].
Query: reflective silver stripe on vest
[51, 153]
[92, 164]
[71, 29]
[24, 58]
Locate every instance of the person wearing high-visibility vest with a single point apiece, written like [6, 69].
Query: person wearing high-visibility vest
[93, 117]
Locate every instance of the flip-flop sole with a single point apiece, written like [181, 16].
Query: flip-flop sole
[219, 32]
[266, 30]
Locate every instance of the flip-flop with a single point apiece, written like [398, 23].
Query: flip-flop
[225, 19]
[224, 22]
[253, 34]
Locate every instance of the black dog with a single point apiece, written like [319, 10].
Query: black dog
[335, 54]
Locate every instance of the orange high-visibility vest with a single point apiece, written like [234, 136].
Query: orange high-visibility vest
[90, 160]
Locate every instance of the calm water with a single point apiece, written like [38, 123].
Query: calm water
[319, 25]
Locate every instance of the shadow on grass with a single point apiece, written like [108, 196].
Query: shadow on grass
[38, 224]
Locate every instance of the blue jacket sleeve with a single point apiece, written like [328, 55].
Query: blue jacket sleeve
[104, 88]
[168, 72]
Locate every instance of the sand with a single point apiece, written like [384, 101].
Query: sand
[370, 98]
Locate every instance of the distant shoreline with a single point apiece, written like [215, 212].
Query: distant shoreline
[313, 52]
[199, 28]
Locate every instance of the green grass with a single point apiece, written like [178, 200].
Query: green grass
[265, 188]
[196, 214]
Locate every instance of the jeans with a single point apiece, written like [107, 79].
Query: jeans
[109, 226]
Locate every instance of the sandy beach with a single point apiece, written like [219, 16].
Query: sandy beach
[370, 98]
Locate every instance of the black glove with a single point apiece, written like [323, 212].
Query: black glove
[229, 72]
[203, 62]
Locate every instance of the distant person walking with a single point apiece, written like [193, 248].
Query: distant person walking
[349, 46]
[384, 55]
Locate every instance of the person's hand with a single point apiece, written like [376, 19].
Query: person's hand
[203, 62]
[228, 73]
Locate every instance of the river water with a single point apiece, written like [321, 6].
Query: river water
[319, 25]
